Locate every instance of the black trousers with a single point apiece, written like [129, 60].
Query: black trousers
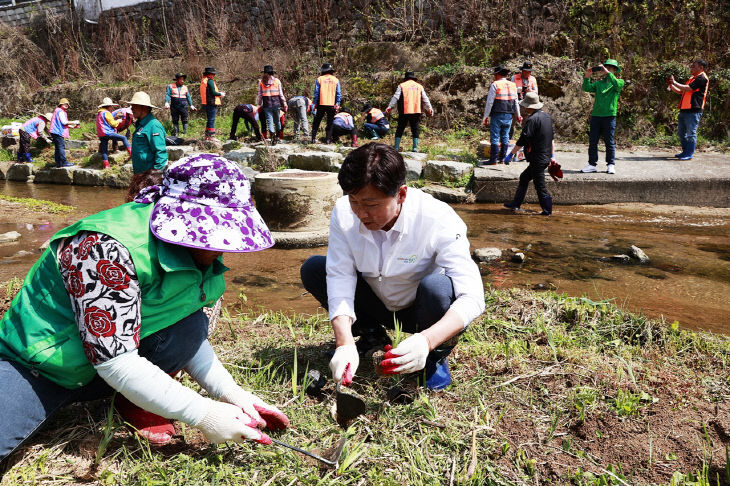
[337, 131]
[414, 120]
[249, 121]
[321, 112]
[179, 112]
[23, 144]
[534, 172]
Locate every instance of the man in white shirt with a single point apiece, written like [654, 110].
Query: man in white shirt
[395, 253]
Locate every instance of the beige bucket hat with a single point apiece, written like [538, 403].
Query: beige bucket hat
[107, 102]
[531, 100]
[141, 98]
[47, 116]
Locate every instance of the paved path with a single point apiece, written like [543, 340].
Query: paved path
[642, 175]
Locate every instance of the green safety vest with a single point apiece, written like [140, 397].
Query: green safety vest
[40, 331]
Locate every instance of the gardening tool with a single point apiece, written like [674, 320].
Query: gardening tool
[333, 455]
[349, 406]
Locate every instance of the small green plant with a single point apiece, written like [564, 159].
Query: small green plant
[626, 403]
[584, 400]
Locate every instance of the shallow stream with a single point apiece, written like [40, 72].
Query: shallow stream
[688, 278]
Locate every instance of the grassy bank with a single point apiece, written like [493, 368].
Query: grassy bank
[547, 389]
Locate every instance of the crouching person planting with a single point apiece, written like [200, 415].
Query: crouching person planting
[115, 304]
[395, 253]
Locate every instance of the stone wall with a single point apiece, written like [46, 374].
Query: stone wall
[20, 15]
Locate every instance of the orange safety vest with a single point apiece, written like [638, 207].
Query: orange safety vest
[531, 82]
[411, 92]
[506, 90]
[274, 89]
[685, 102]
[327, 89]
[178, 91]
[375, 115]
[204, 91]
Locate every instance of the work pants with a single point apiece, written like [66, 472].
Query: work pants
[178, 113]
[249, 121]
[59, 153]
[499, 125]
[104, 143]
[271, 115]
[379, 130]
[299, 112]
[210, 113]
[414, 120]
[338, 130]
[29, 400]
[321, 112]
[602, 127]
[23, 145]
[434, 297]
[534, 172]
[687, 130]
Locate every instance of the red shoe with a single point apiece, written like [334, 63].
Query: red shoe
[106, 164]
[157, 430]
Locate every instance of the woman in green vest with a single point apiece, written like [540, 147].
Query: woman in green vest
[115, 304]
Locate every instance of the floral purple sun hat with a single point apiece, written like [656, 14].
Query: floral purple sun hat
[204, 202]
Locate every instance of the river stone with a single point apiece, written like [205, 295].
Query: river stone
[487, 254]
[88, 177]
[415, 156]
[241, 156]
[121, 179]
[117, 158]
[321, 147]
[447, 195]
[56, 175]
[518, 257]
[20, 172]
[4, 166]
[621, 259]
[414, 169]
[77, 144]
[9, 141]
[177, 152]
[638, 254]
[319, 161]
[446, 170]
[229, 145]
[9, 237]
[212, 145]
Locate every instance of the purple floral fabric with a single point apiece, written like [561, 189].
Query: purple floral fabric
[102, 283]
[205, 202]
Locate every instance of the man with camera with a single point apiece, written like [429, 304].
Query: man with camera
[692, 102]
[603, 116]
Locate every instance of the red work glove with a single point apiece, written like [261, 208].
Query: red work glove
[387, 111]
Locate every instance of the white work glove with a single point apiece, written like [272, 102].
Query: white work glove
[226, 422]
[167, 105]
[344, 355]
[264, 414]
[193, 108]
[408, 357]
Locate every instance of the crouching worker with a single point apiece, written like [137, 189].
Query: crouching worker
[116, 304]
[394, 253]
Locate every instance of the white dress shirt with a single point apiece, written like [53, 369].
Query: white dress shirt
[428, 237]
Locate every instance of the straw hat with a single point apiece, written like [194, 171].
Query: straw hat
[141, 98]
[531, 100]
[63, 101]
[107, 102]
[47, 116]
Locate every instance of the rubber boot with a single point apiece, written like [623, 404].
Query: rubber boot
[438, 375]
[264, 135]
[397, 143]
[185, 128]
[373, 135]
[492, 155]
[20, 157]
[684, 149]
[174, 131]
[280, 134]
[106, 164]
[415, 145]
[274, 138]
[354, 141]
[129, 150]
[27, 157]
[157, 430]
[546, 204]
[690, 150]
[518, 199]
[503, 152]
